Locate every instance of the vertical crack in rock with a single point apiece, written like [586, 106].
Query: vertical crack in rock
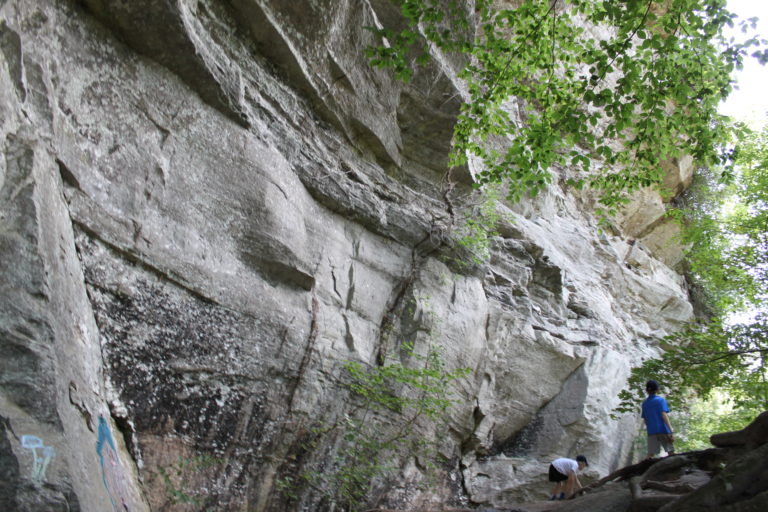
[351, 287]
[470, 442]
[37, 106]
[349, 339]
[396, 305]
[305, 359]
[81, 407]
[334, 279]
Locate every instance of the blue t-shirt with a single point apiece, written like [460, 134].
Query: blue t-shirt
[653, 406]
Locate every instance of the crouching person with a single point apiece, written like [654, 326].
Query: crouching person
[563, 472]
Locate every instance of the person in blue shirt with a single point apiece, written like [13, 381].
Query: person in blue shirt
[655, 409]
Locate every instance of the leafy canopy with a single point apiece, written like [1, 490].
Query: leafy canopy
[615, 101]
[726, 224]
[727, 229]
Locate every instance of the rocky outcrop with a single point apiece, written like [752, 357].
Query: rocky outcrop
[645, 218]
[729, 477]
[207, 208]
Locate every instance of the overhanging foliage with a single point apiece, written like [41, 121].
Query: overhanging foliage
[612, 88]
[726, 226]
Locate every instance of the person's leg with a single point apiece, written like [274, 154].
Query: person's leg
[569, 486]
[654, 447]
[557, 477]
[552, 474]
[667, 444]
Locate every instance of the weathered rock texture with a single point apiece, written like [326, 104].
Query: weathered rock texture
[208, 207]
[730, 477]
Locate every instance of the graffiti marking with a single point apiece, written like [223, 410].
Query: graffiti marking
[39, 462]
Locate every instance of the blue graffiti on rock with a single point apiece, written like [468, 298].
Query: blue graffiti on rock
[41, 455]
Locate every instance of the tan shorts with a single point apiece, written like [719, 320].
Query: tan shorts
[658, 441]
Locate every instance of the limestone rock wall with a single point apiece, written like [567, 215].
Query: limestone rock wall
[208, 207]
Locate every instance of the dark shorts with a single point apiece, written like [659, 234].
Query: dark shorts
[555, 475]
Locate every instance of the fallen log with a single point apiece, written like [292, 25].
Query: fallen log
[624, 474]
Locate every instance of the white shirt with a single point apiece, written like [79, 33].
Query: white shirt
[566, 466]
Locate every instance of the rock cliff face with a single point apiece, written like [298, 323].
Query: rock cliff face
[208, 207]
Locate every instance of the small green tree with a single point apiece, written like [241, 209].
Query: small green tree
[392, 400]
